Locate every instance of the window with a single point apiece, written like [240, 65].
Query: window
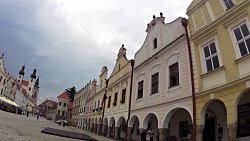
[31, 80]
[17, 81]
[154, 83]
[211, 57]
[115, 99]
[19, 76]
[140, 90]
[228, 3]
[60, 103]
[98, 103]
[1, 79]
[242, 36]
[2, 91]
[174, 75]
[63, 113]
[64, 104]
[29, 88]
[58, 113]
[109, 101]
[4, 81]
[123, 96]
[155, 43]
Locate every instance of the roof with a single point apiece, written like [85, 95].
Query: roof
[64, 95]
[47, 101]
[70, 105]
[25, 83]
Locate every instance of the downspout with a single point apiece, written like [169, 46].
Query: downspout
[184, 24]
[107, 81]
[130, 93]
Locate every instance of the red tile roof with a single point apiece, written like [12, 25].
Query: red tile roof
[64, 95]
[47, 101]
[25, 83]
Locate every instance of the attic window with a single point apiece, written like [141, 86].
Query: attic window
[228, 3]
[155, 43]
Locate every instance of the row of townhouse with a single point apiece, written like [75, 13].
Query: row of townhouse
[190, 80]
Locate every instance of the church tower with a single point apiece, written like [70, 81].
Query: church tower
[21, 74]
[31, 83]
[36, 90]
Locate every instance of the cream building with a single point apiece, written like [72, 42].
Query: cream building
[64, 107]
[76, 108]
[161, 92]
[118, 95]
[97, 114]
[4, 75]
[220, 41]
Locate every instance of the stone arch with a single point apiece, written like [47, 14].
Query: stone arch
[238, 100]
[105, 121]
[132, 120]
[99, 121]
[170, 113]
[120, 120]
[204, 108]
[111, 121]
[146, 119]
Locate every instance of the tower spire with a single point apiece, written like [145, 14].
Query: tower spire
[33, 75]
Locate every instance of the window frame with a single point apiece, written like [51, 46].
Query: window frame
[109, 102]
[211, 56]
[154, 84]
[124, 91]
[170, 76]
[155, 43]
[115, 99]
[242, 40]
[225, 6]
[140, 90]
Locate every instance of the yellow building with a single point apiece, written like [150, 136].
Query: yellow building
[220, 42]
[76, 108]
[118, 96]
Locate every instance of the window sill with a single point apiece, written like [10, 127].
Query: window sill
[173, 88]
[213, 71]
[242, 58]
[154, 94]
[139, 99]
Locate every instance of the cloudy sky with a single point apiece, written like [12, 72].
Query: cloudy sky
[70, 40]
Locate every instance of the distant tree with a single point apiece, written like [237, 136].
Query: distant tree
[71, 93]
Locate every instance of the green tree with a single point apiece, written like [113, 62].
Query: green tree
[71, 93]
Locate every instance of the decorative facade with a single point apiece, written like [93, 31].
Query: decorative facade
[219, 35]
[161, 92]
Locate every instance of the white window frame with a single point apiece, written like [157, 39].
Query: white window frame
[211, 56]
[154, 69]
[242, 18]
[224, 5]
[201, 44]
[244, 39]
[140, 77]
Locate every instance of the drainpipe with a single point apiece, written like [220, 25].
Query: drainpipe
[103, 107]
[130, 93]
[184, 24]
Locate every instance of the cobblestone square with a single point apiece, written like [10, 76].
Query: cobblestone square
[15, 127]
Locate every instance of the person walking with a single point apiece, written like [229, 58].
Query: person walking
[37, 117]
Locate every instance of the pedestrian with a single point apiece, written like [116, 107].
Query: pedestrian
[37, 117]
[150, 135]
[143, 135]
[27, 113]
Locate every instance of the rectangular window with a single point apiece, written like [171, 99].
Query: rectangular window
[60, 103]
[63, 113]
[155, 43]
[123, 96]
[58, 113]
[154, 83]
[109, 101]
[211, 57]
[98, 103]
[115, 99]
[140, 90]
[242, 36]
[228, 3]
[243, 120]
[64, 104]
[174, 75]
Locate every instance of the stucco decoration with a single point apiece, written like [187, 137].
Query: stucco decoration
[124, 84]
[140, 75]
[174, 57]
[155, 67]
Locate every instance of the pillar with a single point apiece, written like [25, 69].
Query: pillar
[199, 132]
[163, 134]
[103, 130]
[109, 129]
[232, 130]
[116, 137]
[129, 133]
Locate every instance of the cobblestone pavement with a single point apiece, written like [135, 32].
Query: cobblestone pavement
[15, 127]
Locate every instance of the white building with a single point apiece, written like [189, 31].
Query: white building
[161, 93]
[4, 75]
